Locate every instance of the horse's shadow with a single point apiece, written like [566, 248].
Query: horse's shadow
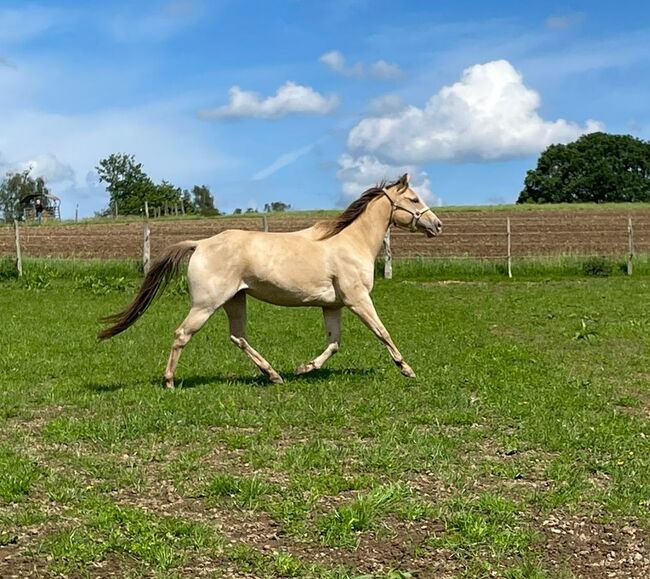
[259, 381]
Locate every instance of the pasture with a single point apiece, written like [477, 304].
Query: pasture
[521, 450]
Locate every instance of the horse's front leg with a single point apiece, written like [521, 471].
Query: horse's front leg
[363, 307]
[332, 318]
[236, 312]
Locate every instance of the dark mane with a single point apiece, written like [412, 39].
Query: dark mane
[354, 210]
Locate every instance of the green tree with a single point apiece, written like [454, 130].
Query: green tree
[276, 206]
[204, 200]
[128, 185]
[597, 168]
[14, 187]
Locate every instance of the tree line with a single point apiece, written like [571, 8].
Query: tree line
[128, 187]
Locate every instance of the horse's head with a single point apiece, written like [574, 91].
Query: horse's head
[409, 211]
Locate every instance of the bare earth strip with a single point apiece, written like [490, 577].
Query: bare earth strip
[469, 233]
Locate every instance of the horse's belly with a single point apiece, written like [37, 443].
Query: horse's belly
[293, 297]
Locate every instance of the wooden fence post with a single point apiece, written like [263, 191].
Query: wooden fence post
[265, 223]
[182, 207]
[630, 245]
[19, 256]
[388, 256]
[509, 247]
[146, 248]
[76, 213]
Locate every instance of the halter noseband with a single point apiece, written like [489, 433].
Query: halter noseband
[417, 214]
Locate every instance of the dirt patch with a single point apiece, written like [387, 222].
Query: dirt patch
[593, 550]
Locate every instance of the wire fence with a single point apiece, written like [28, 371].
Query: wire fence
[504, 236]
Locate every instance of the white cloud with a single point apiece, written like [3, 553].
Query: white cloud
[488, 114]
[78, 141]
[360, 173]
[386, 105]
[290, 99]
[380, 70]
[47, 165]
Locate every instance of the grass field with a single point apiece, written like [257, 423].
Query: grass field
[521, 450]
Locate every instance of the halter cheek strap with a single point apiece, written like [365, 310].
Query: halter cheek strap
[416, 215]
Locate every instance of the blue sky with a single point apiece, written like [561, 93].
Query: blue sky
[311, 102]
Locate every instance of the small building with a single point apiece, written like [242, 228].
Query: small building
[50, 204]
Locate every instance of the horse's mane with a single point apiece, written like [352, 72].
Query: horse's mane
[354, 210]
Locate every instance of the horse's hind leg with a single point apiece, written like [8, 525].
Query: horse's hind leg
[333, 330]
[191, 324]
[236, 312]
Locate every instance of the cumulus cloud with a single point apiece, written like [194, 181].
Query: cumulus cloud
[360, 173]
[488, 114]
[380, 70]
[290, 99]
[47, 165]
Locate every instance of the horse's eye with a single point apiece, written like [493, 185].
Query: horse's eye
[414, 200]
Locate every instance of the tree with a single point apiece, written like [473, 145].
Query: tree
[14, 187]
[276, 206]
[128, 185]
[237, 211]
[203, 200]
[596, 168]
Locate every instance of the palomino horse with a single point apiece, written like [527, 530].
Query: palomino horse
[329, 265]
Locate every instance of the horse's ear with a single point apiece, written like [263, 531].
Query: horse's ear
[404, 180]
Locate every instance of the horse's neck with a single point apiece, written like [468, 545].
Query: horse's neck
[369, 228]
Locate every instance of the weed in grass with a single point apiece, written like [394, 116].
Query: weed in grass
[485, 526]
[17, 475]
[342, 526]
[245, 492]
[587, 330]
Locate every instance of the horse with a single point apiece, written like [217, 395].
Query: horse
[329, 265]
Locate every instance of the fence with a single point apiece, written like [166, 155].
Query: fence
[472, 235]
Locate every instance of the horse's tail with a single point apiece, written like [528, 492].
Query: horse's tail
[162, 271]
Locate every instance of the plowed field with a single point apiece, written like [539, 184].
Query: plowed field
[466, 234]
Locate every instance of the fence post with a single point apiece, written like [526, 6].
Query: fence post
[265, 223]
[630, 245]
[388, 256]
[509, 247]
[76, 213]
[146, 248]
[116, 210]
[19, 257]
[182, 207]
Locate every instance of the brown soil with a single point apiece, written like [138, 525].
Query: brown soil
[470, 233]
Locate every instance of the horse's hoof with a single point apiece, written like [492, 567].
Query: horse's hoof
[304, 368]
[276, 379]
[407, 371]
[169, 385]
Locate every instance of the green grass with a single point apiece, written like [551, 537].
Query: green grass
[531, 404]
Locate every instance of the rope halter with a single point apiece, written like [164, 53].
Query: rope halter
[417, 214]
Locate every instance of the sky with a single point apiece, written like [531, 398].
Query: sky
[311, 102]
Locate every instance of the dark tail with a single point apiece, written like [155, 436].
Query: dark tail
[161, 272]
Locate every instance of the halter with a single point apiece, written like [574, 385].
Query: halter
[417, 214]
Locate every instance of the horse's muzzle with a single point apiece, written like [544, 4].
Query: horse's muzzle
[434, 229]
